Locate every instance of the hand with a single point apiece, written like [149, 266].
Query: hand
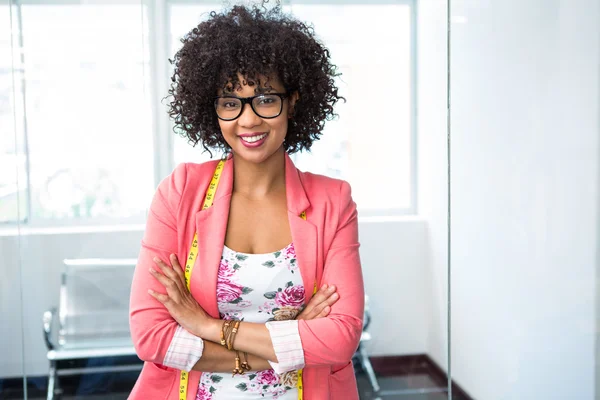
[179, 301]
[320, 304]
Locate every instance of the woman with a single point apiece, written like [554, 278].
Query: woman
[257, 85]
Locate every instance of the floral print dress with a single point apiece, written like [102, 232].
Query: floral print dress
[256, 288]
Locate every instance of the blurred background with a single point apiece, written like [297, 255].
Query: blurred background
[481, 260]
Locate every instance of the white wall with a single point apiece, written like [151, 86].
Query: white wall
[525, 149]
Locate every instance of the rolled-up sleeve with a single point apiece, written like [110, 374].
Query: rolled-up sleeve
[184, 351]
[287, 345]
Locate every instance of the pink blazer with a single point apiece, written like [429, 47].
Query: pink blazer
[327, 250]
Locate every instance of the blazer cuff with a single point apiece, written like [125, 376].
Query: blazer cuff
[287, 345]
[184, 351]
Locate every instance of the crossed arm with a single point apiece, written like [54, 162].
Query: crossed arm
[252, 338]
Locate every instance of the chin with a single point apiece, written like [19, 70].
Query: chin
[257, 155]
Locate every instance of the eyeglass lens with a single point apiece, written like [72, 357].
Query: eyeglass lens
[266, 106]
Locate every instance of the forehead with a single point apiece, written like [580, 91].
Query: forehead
[259, 84]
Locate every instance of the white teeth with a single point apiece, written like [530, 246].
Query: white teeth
[252, 139]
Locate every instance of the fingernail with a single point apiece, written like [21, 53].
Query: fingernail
[331, 288]
[324, 287]
[156, 259]
[152, 270]
[335, 295]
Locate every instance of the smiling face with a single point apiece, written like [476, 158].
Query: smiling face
[251, 137]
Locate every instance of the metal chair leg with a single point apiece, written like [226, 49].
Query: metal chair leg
[368, 368]
[51, 380]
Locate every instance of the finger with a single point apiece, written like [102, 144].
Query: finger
[170, 285]
[163, 298]
[164, 280]
[327, 303]
[166, 269]
[176, 266]
[169, 272]
[325, 312]
[178, 270]
[332, 299]
[321, 296]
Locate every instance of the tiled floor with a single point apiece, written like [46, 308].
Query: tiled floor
[410, 387]
[402, 378]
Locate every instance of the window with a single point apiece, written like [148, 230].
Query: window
[80, 96]
[372, 143]
[86, 118]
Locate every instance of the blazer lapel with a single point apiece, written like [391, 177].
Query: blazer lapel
[211, 226]
[304, 233]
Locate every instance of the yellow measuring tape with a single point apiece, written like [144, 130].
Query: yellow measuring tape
[191, 260]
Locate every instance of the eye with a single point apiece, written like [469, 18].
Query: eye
[229, 103]
[266, 100]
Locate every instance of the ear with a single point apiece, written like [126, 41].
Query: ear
[292, 99]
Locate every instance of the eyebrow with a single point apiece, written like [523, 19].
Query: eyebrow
[229, 94]
[263, 89]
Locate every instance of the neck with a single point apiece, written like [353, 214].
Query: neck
[258, 180]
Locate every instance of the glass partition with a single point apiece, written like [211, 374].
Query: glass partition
[13, 201]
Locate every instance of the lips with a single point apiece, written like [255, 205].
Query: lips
[254, 139]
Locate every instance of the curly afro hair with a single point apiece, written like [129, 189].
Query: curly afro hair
[257, 44]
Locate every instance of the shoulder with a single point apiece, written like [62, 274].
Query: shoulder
[199, 171]
[185, 173]
[331, 198]
[185, 177]
[321, 187]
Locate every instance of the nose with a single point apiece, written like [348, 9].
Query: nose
[248, 118]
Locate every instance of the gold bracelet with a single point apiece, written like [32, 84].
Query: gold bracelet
[224, 329]
[245, 364]
[238, 370]
[232, 335]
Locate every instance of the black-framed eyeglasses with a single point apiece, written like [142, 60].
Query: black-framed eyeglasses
[268, 105]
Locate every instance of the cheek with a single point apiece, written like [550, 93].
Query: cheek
[222, 125]
[226, 127]
[280, 125]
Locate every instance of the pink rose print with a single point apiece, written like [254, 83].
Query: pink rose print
[268, 377]
[290, 296]
[228, 291]
[267, 307]
[290, 252]
[225, 272]
[203, 393]
[290, 256]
